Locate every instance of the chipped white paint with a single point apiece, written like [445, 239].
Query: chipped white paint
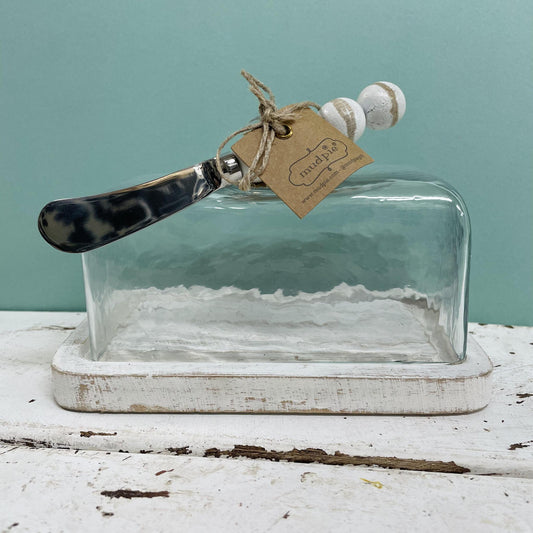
[496, 439]
[56, 490]
[82, 384]
[383, 103]
[346, 115]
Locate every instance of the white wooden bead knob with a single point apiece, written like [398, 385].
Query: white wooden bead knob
[346, 115]
[383, 103]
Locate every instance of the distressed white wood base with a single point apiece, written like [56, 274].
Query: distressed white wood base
[429, 388]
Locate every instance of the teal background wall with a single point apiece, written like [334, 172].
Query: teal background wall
[100, 94]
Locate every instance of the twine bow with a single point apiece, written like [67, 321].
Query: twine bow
[273, 122]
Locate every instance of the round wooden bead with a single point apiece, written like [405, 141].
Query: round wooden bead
[346, 115]
[383, 103]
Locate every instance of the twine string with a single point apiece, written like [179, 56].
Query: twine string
[272, 121]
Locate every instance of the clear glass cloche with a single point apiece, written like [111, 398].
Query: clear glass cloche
[377, 272]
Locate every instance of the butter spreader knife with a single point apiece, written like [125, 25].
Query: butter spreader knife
[83, 224]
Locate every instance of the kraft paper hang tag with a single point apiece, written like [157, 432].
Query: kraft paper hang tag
[305, 167]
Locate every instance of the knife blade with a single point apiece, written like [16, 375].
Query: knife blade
[83, 224]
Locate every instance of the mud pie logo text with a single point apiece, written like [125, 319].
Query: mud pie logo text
[306, 170]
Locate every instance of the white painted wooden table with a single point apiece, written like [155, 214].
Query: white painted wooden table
[67, 471]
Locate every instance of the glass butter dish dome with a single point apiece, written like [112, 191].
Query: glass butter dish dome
[376, 273]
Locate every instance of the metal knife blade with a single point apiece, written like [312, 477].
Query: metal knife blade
[82, 224]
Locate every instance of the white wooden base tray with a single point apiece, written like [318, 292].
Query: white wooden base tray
[81, 384]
